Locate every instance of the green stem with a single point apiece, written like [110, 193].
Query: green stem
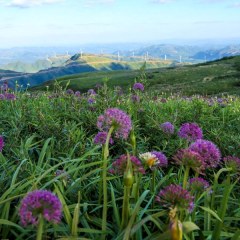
[222, 209]
[126, 207]
[104, 182]
[40, 227]
[153, 185]
[185, 178]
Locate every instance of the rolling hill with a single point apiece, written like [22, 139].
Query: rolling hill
[80, 64]
[211, 78]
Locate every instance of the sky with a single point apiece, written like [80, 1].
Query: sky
[74, 22]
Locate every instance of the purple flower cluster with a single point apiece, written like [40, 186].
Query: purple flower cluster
[70, 92]
[119, 166]
[117, 118]
[232, 162]
[4, 87]
[40, 202]
[162, 159]
[77, 94]
[192, 159]
[175, 196]
[101, 138]
[167, 128]
[208, 151]
[1, 143]
[138, 86]
[135, 98]
[8, 96]
[190, 131]
[198, 184]
[91, 101]
[91, 92]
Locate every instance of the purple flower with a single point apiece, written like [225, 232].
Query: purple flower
[190, 131]
[101, 138]
[70, 92]
[119, 166]
[91, 101]
[208, 151]
[175, 196]
[167, 128]
[138, 86]
[1, 143]
[135, 98]
[10, 96]
[232, 162]
[4, 87]
[91, 92]
[40, 202]
[77, 94]
[117, 118]
[2, 97]
[198, 184]
[189, 158]
[162, 159]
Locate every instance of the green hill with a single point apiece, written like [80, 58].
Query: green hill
[217, 77]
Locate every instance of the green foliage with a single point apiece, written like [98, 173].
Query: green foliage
[49, 131]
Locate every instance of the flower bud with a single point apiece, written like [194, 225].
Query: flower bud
[128, 178]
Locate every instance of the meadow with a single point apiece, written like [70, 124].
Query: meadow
[115, 163]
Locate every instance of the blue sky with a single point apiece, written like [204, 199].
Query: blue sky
[73, 22]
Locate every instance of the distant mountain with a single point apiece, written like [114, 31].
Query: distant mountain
[210, 55]
[20, 66]
[79, 64]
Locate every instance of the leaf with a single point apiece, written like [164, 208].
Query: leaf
[189, 227]
[211, 212]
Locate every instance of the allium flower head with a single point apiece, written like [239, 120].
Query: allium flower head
[117, 118]
[189, 158]
[135, 98]
[101, 138]
[198, 184]
[2, 97]
[232, 162]
[162, 159]
[138, 86]
[153, 159]
[91, 100]
[119, 166]
[190, 131]
[167, 128]
[91, 92]
[1, 143]
[40, 202]
[10, 96]
[175, 196]
[208, 151]
[70, 92]
[77, 94]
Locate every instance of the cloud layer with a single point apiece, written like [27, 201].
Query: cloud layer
[30, 3]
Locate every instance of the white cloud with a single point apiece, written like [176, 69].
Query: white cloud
[30, 3]
[161, 1]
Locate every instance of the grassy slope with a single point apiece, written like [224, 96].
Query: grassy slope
[222, 76]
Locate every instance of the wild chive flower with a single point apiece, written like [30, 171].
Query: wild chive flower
[10, 96]
[153, 159]
[138, 86]
[77, 94]
[198, 184]
[119, 166]
[70, 92]
[135, 98]
[91, 100]
[189, 158]
[175, 196]
[167, 128]
[91, 92]
[117, 118]
[40, 202]
[232, 162]
[208, 151]
[190, 131]
[101, 138]
[1, 143]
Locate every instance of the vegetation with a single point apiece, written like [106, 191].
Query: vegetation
[211, 78]
[49, 143]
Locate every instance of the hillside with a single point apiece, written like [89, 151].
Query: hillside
[217, 77]
[87, 63]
